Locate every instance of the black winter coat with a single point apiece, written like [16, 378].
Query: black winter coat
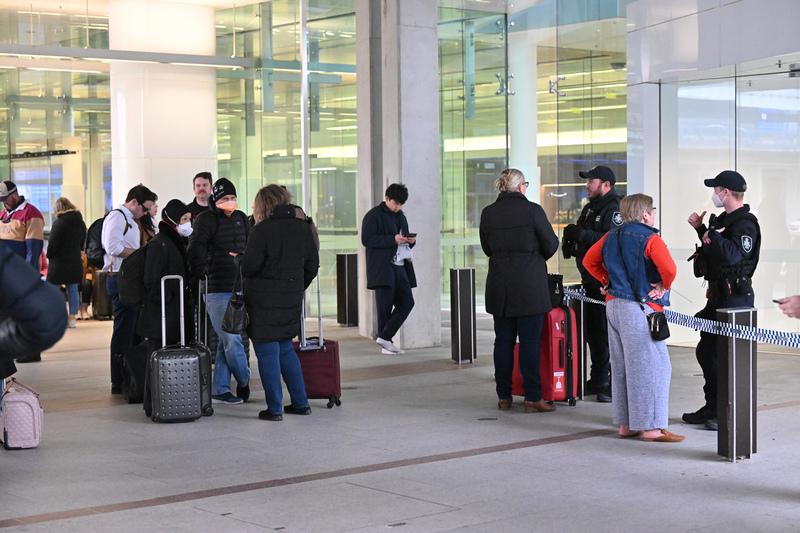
[166, 256]
[378, 229]
[67, 237]
[518, 239]
[32, 313]
[214, 235]
[596, 218]
[279, 264]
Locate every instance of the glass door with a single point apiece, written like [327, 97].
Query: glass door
[474, 91]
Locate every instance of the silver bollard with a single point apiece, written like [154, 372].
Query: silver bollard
[463, 329]
[736, 387]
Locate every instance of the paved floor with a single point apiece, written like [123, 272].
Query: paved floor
[417, 445]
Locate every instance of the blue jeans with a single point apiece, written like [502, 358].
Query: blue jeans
[529, 329]
[124, 335]
[74, 298]
[276, 359]
[230, 357]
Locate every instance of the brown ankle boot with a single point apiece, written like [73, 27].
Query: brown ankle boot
[540, 406]
[504, 405]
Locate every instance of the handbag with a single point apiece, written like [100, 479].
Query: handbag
[658, 326]
[236, 318]
[555, 283]
[657, 320]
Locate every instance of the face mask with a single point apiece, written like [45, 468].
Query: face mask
[228, 206]
[716, 200]
[184, 230]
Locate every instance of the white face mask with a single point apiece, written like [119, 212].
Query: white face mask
[716, 200]
[184, 230]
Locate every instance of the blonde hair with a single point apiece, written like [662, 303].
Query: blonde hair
[267, 199]
[632, 207]
[63, 204]
[509, 180]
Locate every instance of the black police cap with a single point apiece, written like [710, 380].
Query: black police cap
[728, 179]
[599, 172]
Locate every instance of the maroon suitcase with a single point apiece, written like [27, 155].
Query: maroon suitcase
[319, 359]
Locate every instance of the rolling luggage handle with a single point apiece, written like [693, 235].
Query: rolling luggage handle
[164, 310]
[312, 343]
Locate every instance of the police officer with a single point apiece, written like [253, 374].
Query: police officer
[598, 216]
[727, 260]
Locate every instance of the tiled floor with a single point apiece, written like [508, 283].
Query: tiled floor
[417, 445]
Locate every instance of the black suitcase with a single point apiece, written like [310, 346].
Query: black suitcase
[101, 302]
[178, 378]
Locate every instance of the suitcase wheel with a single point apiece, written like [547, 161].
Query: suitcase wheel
[572, 402]
[338, 402]
[333, 400]
[208, 411]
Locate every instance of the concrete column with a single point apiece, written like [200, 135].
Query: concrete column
[403, 144]
[163, 117]
[369, 179]
[522, 118]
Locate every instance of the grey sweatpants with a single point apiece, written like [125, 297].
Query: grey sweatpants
[640, 368]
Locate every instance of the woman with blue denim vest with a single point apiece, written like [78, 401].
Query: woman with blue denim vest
[636, 270]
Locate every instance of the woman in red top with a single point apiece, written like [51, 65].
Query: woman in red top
[636, 270]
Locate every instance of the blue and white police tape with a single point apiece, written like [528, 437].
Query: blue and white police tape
[769, 336]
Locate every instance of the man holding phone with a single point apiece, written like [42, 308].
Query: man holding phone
[790, 305]
[390, 268]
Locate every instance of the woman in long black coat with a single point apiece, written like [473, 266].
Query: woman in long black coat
[278, 265]
[518, 239]
[64, 253]
[166, 256]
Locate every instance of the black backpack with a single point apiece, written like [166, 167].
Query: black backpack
[95, 254]
[130, 280]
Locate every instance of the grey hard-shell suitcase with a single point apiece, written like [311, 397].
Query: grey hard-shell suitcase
[178, 383]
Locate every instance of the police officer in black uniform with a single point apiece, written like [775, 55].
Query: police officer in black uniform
[727, 260]
[598, 216]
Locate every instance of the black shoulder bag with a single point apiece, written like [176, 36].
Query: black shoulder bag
[657, 320]
[236, 318]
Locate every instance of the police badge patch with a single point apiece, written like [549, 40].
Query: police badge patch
[747, 244]
[617, 218]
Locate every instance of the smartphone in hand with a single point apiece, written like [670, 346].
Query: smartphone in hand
[411, 235]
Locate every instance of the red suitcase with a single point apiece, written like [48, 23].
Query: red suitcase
[319, 359]
[558, 358]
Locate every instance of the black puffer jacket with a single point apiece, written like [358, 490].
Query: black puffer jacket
[64, 249]
[518, 239]
[166, 256]
[280, 262]
[32, 313]
[215, 235]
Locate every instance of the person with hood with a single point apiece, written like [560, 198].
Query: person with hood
[166, 256]
[64, 253]
[219, 237]
[279, 264]
[597, 217]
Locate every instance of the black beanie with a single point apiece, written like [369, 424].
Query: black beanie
[173, 211]
[223, 187]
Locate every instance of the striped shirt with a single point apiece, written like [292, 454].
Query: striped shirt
[22, 230]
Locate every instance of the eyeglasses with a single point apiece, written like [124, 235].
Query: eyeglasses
[526, 183]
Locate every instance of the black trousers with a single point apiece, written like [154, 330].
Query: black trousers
[706, 351]
[529, 331]
[394, 304]
[595, 329]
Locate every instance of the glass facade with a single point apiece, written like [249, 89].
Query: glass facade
[47, 109]
[261, 118]
[541, 88]
[743, 118]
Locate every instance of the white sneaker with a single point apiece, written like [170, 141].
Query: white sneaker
[72, 324]
[387, 345]
[384, 351]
